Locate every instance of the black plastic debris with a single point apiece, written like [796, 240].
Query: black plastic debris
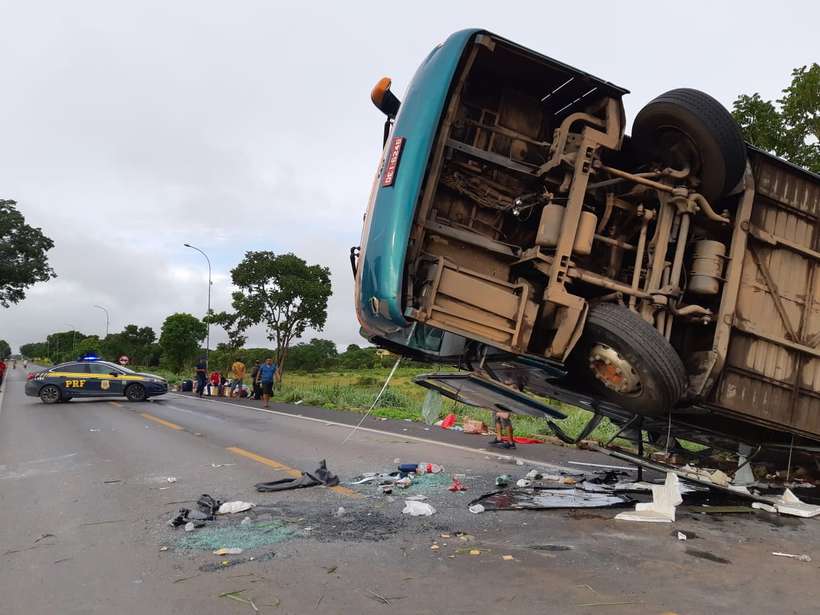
[208, 505]
[543, 499]
[321, 476]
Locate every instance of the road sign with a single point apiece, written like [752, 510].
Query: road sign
[123, 360]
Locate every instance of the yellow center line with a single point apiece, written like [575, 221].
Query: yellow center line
[167, 424]
[286, 469]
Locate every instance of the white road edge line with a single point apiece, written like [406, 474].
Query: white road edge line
[459, 447]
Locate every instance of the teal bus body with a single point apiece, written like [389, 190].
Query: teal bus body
[390, 215]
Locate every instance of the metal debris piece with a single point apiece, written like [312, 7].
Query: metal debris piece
[543, 499]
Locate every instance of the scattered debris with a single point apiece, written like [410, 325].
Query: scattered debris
[503, 480]
[419, 497]
[764, 507]
[523, 482]
[320, 476]
[163, 548]
[190, 527]
[665, 498]
[802, 557]
[229, 508]
[171, 479]
[245, 522]
[600, 465]
[457, 486]
[65, 559]
[221, 465]
[42, 537]
[93, 429]
[475, 551]
[507, 557]
[340, 511]
[540, 498]
[228, 551]
[682, 536]
[414, 508]
[476, 509]
[533, 475]
[111, 482]
[790, 504]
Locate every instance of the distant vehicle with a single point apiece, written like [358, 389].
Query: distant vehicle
[666, 280]
[93, 379]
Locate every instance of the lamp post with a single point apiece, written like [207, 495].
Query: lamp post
[107, 320]
[208, 337]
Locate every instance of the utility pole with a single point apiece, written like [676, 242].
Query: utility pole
[107, 320]
[208, 335]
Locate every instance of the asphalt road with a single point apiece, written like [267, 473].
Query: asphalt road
[85, 500]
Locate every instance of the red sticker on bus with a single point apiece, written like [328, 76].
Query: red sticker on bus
[393, 157]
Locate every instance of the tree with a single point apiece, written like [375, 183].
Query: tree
[282, 292]
[34, 350]
[137, 343]
[180, 339]
[62, 346]
[232, 326]
[23, 260]
[315, 355]
[791, 128]
[5, 349]
[88, 345]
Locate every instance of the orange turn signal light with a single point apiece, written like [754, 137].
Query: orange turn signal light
[379, 91]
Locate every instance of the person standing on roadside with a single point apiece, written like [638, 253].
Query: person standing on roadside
[257, 388]
[238, 369]
[267, 371]
[201, 376]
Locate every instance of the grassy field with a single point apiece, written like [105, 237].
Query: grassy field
[356, 390]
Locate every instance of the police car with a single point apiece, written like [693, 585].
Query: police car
[93, 378]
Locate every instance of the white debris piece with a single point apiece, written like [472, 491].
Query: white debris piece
[416, 498]
[228, 551]
[682, 536]
[418, 509]
[534, 475]
[229, 508]
[523, 482]
[802, 557]
[662, 507]
[790, 504]
[171, 479]
[476, 509]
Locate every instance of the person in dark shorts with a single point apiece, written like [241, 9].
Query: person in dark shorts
[201, 376]
[257, 388]
[267, 371]
[503, 422]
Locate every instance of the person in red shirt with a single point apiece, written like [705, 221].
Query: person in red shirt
[2, 370]
[215, 382]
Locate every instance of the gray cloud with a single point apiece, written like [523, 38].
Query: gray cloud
[131, 129]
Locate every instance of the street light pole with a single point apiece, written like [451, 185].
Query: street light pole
[107, 320]
[208, 324]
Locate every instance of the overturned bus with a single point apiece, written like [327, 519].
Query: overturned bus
[664, 279]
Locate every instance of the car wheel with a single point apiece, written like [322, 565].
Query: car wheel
[135, 392]
[688, 128]
[49, 394]
[623, 359]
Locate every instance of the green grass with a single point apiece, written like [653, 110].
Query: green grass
[356, 390]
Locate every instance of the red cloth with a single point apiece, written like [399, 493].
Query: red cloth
[215, 377]
[520, 440]
[448, 421]
[2, 366]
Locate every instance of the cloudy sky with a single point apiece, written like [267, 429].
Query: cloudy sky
[128, 129]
